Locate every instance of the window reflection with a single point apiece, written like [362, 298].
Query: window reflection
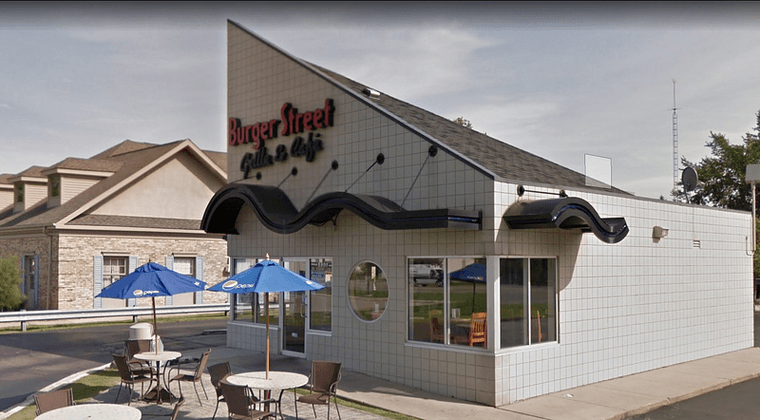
[249, 307]
[320, 308]
[448, 301]
[426, 300]
[528, 292]
[368, 291]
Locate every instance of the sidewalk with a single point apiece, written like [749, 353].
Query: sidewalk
[608, 400]
[614, 399]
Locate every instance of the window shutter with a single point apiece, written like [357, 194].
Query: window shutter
[133, 261]
[170, 265]
[36, 280]
[199, 274]
[97, 276]
[22, 269]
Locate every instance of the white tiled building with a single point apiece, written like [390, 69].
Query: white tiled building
[416, 224]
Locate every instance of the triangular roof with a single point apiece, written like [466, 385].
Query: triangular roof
[128, 161]
[493, 157]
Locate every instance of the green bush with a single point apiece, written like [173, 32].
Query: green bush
[10, 279]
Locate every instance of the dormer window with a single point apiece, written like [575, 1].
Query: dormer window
[19, 193]
[55, 185]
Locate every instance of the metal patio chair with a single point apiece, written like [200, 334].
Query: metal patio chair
[46, 401]
[238, 400]
[323, 384]
[128, 377]
[195, 377]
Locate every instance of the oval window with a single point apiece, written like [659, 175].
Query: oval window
[368, 291]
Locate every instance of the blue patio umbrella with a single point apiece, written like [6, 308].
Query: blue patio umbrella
[151, 280]
[474, 273]
[266, 277]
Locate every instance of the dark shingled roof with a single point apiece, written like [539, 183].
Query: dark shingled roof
[497, 157]
[136, 222]
[32, 171]
[124, 159]
[99, 165]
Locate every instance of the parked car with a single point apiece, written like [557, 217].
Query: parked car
[425, 274]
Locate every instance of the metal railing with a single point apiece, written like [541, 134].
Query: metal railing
[135, 311]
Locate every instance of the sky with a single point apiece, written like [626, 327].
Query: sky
[560, 80]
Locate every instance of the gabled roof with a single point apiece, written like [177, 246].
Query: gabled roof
[128, 161]
[93, 164]
[493, 157]
[30, 173]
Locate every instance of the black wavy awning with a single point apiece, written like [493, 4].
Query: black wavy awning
[565, 213]
[276, 211]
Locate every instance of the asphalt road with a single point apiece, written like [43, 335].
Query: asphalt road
[33, 360]
[735, 402]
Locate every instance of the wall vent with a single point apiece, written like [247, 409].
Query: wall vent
[371, 93]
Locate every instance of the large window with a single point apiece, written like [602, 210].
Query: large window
[242, 300]
[320, 308]
[528, 292]
[250, 306]
[448, 301]
[114, 268]
[186, 266]
[30, 277]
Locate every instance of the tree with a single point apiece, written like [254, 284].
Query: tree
[722, 174]
[463, 122]
[10, 279]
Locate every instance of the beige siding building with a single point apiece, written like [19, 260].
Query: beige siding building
[81, 224]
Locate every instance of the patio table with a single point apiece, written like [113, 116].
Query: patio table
[159, 392]
[92, 411]
[278, 380]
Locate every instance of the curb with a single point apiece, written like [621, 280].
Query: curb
[63, 382]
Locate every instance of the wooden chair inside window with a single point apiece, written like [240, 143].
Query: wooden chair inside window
[477, 329]
[436, 330]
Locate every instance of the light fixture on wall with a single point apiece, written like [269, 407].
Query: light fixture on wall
[659, 232]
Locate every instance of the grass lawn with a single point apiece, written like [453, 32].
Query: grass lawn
[161, 320]
[84, 389]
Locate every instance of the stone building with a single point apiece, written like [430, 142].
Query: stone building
[81, 224]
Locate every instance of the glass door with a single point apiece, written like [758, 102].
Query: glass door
[295, 312]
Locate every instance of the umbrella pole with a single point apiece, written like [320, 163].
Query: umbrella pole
[155, 324]
[266, 314]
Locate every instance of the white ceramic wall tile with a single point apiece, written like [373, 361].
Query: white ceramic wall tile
[624, 308]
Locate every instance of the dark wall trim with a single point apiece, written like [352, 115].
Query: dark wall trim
[276, 211]
[565, 213]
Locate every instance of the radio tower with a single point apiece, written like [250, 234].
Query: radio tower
[675, 139]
